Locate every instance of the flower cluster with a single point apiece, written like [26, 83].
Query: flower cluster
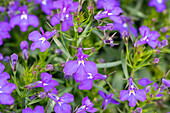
[83, 71]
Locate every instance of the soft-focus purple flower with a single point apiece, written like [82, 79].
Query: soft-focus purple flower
[14, 59]
[139, 110]
[62, 105]
[49, 67]
[111, 12]
[163, 43]
[58, 51]
[12, 7]
[126, 27]
[103, 3]
[166, 82]
[5, 87]
[101, 60]
[46, 5]
[79, 29]
[167, 36]
[46, 82]
[109, 41]
[107, 99]
[66, 6]
[144, 82]
[158, 4]
[24, 20]
[2, 9]
[133, 94]
[4, 31]
[109, 26]
[37, 109]
[148, 37]
[40, 41]
[87, 105]
[1, 56]
[42, 95]
[80, 67]
[24, 47]
[6, 59]
[163, 29]
[156, 60]
[89, 79]
[32, 97]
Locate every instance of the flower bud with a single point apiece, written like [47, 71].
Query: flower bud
[49, 67]
[14, 59]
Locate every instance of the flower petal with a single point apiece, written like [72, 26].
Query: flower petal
[70, 67]
[67, 98]
[33, 20]
[140, 95]
[86, 84]
[6, 99]
[124, 95]
[34, 36]
[132, 101]
[38, 109]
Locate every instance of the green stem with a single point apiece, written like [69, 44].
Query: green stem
[112, 88]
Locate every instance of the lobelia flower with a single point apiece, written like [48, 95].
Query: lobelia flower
[66, 6]
[109, 26]
[4, 31]
[40, 41]
[14, 59]
[111, 12]
[101, 3]
[139, 110]
[148, 37]
[107, 99]
[5, 87]
[156, 60]
[158, 4]
[126, 27]
[132, 94]
[46, 5]
[46, 82]
[166, 82]
[1, 56]
[80, 67]
[144, 82]
[37, 109]
[87, 105]
[62, 105]
[24, 20]
[89, 79]
[24, 47]
[163, 43]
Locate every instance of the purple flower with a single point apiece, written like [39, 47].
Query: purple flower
[49, 67]
[111, 12]
[62, 105]
[40, 41]
[103, 3]
[1, 56]
[24, 20]
[4, 31]
[24, 47]
[144, 82]
[87, 105]
[42, 95]
[5, 87]
[156, 60]
[46, 5]
[109, 26]
[126, 27]
[163, 43]
[12, 7]
[148, 37]
[159, 4]
[107, 99]
[89, 79]
[80, 67]
[139, 110]
[14, 59]
[58, 51]
[133, 94]
[37, 109]
[166, 82]
[46, 82]
[64, 17]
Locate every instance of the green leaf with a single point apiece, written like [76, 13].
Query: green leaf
[67, 54]
[110, 64]
[64, 90]
[100, 88]
[35, 101]
[124, 65]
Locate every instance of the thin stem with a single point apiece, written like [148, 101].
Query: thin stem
[111, 88]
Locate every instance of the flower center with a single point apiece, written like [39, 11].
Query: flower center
[81, 62]
[24, 15]
[159, 1]
[125, 25]
[132, 92]
[110, 14]
[0, 88]
[67, 15]
[44, 84]
[43, 39]
[90, 76]
[145, 39]
[64, 9]
[104, 12]
[44, 2]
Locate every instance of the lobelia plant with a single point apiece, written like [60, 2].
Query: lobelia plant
[83, 39]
